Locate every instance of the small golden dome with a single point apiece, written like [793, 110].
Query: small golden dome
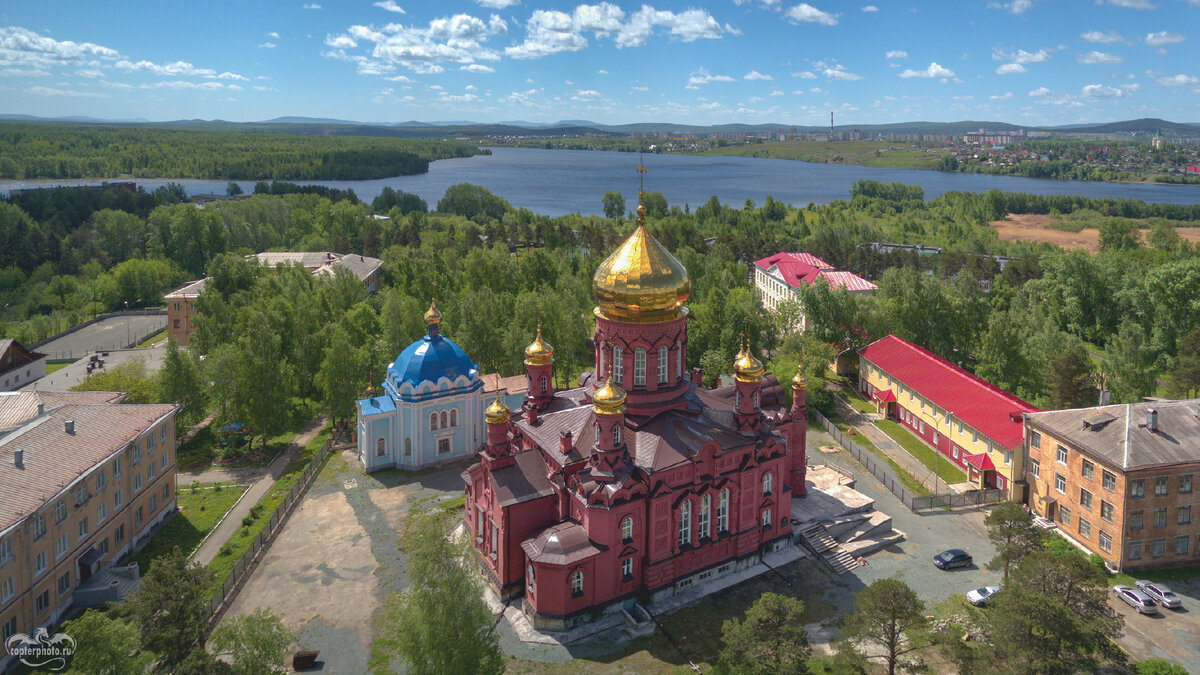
[497, 412]
[800, 381]
[609, 399]
[641, 281]
[539, 352]
[433, 316]
[747, 368]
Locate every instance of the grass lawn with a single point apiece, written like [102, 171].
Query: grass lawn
[926, 455]
[860, 404]
[909, 481]
[151, 339]
[199, 512]
[54, 367]
[261, 512]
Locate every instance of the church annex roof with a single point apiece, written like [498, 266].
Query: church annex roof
[523, 481]
[561, 544]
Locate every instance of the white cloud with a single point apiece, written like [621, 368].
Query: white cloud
[231, 76]
[836, 71]
[1006, 96]
[1178, 81]
[870, 8]
[177, 69]
[273, 34]
[390, 6]
[498, 4]
[896, 54]
[933, 71]
[184, 84]
[259, 87]
[1040, 91]
[1021, 56]
[23, 48]
[1106, 38]
[809, 14]
[66, 93]
[702, 76]
[311, 5]
[399, 78]
[267, 45]
[1162, 38]
[341, 41]
[688, 26]
[478, 68]
[602, 72]
[1010, 68]
[1127, 4]
[804, 75]
[754, 75]
[1104, 91]
[1094, 57]
[586, 94]
[776, 92]
[1014, 7]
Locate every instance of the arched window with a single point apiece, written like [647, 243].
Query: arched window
[577, 583]
[723, 511]
[616, 434]
[766, 518]
[380, 447]
[703, 531]
[639, 367]
[453, 418]
[756, 400]
[433, 422]
[627, 528]
[444, 420]
[662, 365]
[618, 370]
[408, 447]
[685, 523]
[529, 576]
[767, 480]
[544, 384]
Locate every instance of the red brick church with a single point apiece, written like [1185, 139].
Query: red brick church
[640, 482]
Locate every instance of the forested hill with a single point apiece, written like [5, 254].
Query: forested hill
[39, 150]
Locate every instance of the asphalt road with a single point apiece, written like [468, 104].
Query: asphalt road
[73, 374]
[112, 333]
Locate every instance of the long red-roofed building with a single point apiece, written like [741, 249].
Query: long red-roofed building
[779, 277]
[971, 422]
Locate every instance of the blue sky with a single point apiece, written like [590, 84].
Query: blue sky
[1036, 62]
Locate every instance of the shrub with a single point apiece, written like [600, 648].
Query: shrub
[247, 521]
[225, 550]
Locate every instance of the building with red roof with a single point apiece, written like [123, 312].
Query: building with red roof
[971, 422]
[779, 277]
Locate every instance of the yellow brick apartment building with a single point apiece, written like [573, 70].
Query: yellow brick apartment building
[81, 485]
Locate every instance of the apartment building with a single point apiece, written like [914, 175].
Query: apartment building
[1119, 479]
[81, 485]
[971, 422]
[181, 309]
[779, 277]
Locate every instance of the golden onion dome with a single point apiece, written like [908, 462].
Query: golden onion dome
[747, 368]
[609, 399]
[641, 281]
[800, 381]
[497, 412]
[539, 352]
[433, 316]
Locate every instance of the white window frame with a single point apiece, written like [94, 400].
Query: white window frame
[685, 523]
[723, 510]
[577, 582]
[618, 365]
[627, 567]
[627, 528]
[702, 529]
[662, 365]
[766, 518]
[639, 367]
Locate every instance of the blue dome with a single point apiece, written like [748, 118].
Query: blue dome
[430, 359]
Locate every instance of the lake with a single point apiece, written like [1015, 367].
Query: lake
[557, 182]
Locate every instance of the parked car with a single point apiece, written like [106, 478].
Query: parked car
[1160, 594]
[951, 558]
[980, 596]
[1136, 599]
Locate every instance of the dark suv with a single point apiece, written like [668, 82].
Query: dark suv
[949, 559]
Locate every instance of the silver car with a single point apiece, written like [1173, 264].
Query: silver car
[1160, 594]
[1136, 599]
[980, 596]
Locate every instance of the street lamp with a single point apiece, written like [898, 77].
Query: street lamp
[127, 340]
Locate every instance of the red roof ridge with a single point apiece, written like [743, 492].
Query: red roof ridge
[961, 371]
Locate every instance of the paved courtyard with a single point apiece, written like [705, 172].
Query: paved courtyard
[65, 378]
[115, 332]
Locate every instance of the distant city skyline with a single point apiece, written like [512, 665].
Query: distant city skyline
[1026, 62]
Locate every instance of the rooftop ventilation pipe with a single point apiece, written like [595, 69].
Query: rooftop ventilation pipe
[1151, 419]
[69, 426]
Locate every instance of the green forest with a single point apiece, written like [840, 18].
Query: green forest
[29, 151]
[1051, 326]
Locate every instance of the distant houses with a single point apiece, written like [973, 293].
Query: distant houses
[19, 366]
[181, 302]
[779, 277]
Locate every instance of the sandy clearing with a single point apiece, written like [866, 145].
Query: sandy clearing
[1035, 228]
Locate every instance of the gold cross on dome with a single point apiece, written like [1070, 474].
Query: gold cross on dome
[641, 169]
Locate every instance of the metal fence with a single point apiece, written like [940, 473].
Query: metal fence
[245, 564]
[882, 472]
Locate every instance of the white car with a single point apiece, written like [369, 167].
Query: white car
[1160, 594]
[980, 596]
[1136, 599]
